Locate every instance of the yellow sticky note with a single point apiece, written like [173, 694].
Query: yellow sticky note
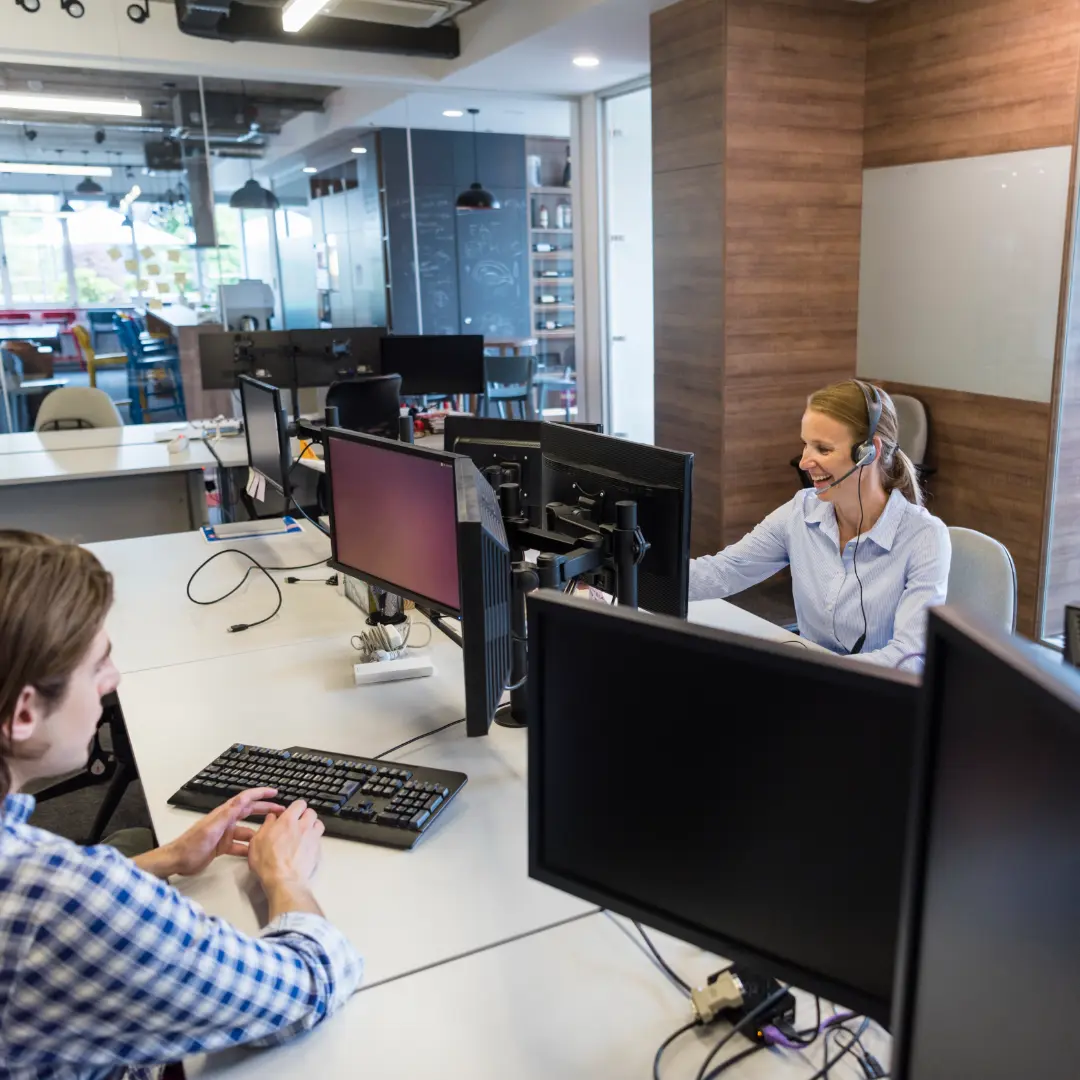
[174, 255]
[163, 287]
[143, 284]
[153, 269]
[147, 253]
[180, 277]
[131, 266]
[154, 304]
[114, 253]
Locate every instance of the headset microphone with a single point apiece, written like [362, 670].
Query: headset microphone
[866, 459]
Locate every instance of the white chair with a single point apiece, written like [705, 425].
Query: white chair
[911, 419]
[982, 578]
[77, 407]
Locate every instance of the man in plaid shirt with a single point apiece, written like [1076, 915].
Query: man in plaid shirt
[106, 969]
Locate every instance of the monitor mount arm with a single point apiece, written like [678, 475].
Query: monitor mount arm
[584, 548]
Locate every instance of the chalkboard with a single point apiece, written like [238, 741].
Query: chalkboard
[493, 258]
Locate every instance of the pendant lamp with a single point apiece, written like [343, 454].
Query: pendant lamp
[477, 197]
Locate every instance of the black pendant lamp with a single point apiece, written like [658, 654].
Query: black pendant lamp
[477, 197]
[253, 197]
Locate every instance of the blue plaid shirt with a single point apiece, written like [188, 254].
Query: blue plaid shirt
[104, 967]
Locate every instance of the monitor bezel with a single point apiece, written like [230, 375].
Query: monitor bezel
[284, 489]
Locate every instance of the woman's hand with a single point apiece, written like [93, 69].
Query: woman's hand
[219, 833]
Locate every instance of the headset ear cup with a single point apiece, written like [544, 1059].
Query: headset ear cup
[865, 453]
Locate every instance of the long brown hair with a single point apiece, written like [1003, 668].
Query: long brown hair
[53, 601]
[846, 402]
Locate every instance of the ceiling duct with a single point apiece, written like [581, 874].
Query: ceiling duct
[401, 27]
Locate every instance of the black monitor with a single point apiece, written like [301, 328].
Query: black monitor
[494, 441]
[328, 356]
[988, 985]
[751, 797]
[266, 428]
[265, 355]
[597, 471]
[435, 363]
[426, 525]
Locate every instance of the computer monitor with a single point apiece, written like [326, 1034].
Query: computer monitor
[493, 441]
[750, 797]
[266, 428]
[265, 355]
[435, 363]
[601, 471]
[988, 985]
[426, 525]
[328, 356]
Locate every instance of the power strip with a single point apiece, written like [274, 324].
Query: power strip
[380, 671]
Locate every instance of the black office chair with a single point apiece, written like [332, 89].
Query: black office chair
[508, 382]
[371, 404]
[113, 764]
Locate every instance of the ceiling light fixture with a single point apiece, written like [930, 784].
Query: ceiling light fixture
[359, 149]
[253, 197]
[89, 187]
[35, 168]
[296, 14]
[453, 113]
[586, 60]
[476, 198]
[309, 169]
[60, 104]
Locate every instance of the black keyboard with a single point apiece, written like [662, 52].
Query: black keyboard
[377, 802]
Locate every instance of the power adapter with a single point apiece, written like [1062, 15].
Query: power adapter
[736, 992]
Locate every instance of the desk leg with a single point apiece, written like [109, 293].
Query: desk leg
[197, 498]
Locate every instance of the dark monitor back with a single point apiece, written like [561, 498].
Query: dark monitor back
[608, 470]
[988, 983]
[327, 356]
[266, 432]
[264, 355]
[747, 796]
[435, 363]
[494, 441]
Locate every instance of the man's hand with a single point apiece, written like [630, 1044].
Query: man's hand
[284, 854]
[219, 833]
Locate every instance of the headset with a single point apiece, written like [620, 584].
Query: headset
[864, 453]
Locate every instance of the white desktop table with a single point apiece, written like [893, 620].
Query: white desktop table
[35, 442]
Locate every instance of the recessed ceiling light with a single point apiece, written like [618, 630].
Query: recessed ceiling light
[453, 112]
[359, 149]
[296, 14]
[587, 61]
[60, 104]
[40, 169]
[310, 169]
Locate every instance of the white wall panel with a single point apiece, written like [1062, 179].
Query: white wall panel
[960, 272]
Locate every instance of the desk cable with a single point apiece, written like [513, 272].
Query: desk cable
[256, 565]
[417, 738]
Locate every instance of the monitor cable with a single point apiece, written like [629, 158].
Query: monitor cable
[667, 1042]
[236, 628]
[823, 1072]
[417, 738]
[681, 983]
[746, 1022]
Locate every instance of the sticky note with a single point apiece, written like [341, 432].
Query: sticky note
[154, 304]
[114, 253]
[180, 277]
[163, 287]
[147, 252]
[153, 269]
[173, 255]
[260, 487]
[131, 266]
[143, 285]
[252, 480]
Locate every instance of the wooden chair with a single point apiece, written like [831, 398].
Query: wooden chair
[92, 360]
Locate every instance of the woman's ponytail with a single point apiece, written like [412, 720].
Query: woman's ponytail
[900, 474]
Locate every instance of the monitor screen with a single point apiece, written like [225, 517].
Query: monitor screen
[770, 829]
[266, 431]
[394, 516]
[989, 986]
[436, 364]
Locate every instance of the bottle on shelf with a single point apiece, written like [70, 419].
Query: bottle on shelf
[566, 170]
[544, 247]
[542, 217]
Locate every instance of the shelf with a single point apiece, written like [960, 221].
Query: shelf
[565, 255]
[554, 333]
[550, 190]
[536, 228]
[552, 307]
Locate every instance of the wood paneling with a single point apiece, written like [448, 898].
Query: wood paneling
[960, 78]
[991, 454]
[793, 213]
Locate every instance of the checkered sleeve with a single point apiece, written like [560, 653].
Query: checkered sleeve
[118, 968]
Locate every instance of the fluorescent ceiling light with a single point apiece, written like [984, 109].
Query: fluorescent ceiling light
[453, 112]
[37, 168]
[296, 14]
[310, 169]
[59, 104]
[586, 61]
[359, 149]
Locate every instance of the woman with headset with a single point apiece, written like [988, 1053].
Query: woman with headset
[866, 558]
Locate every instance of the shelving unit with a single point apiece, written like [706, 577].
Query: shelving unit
[551, 193]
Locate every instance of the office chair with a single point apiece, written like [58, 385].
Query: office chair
[77, 407]
[508, 381]
[371, 404]
[982, 578]
[114, 764]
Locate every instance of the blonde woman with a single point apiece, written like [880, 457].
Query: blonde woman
[866, 558]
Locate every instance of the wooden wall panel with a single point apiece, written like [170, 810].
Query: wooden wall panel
[793, 211]
[960, 78]
[991, 454]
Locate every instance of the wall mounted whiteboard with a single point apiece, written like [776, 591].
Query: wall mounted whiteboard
[960, 272]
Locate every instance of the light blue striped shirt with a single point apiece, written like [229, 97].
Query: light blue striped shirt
[903, 562]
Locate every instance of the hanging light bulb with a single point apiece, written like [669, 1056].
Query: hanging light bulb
[477, 197]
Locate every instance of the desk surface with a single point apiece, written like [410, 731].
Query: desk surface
[100, 461]
[31, 442]
[30, 331]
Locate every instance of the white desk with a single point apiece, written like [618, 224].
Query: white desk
[105, 492]
[36, 442]
[583, 1001]
[726, 616]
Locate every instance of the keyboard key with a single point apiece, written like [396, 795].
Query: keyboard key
[418, 819]
[433, 803]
